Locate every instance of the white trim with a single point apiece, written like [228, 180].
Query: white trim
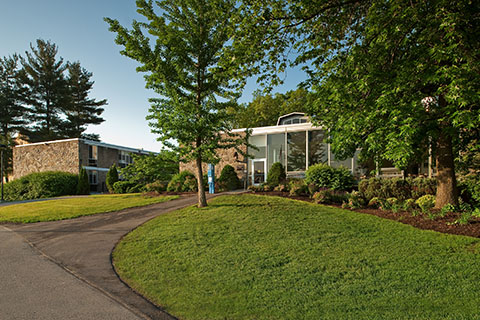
[95, 169]
[46, 142]
[288, 115]
[279, 129]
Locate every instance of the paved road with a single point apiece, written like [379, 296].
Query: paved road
[33, 287]
[83, 247]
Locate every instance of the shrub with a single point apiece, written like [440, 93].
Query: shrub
[409, 204]
[469, 187]
[276, 174]
[228, 179]
[375, 202]
[182, 182]
[356, 200]
[41, 185]
[325, 176]
[423, 186]
[402, 189]
[282, 187]
[298, 187]
[329, 196]
[447, 208]
[83, 186]
[126, 187]
[157, 186]
[426, 202]
[112, 177]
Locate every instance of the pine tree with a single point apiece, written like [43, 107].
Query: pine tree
[48, 92]
[12, 110]
[83, 186]
[112, 177]
[81, 110]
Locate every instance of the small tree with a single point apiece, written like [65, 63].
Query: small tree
[276, 174]
[229, 178]
[112, 177]
[83, 186]
[183, 68]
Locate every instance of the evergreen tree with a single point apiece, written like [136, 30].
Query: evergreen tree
[12, 110]
[81, 110]
[112, 177]
[183, 69]
[48, 92]
[83, 186]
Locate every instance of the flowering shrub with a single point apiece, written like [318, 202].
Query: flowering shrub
[426, 202]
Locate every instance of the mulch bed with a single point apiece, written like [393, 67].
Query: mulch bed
[440, 224]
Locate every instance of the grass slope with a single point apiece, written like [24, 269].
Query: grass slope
[255, 257]
[74, 207]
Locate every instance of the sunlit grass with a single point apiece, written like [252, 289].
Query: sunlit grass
[254, 257]
[74, 207]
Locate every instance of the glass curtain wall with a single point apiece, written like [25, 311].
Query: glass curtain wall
[317, 149]
[296, 152]
[276, 149]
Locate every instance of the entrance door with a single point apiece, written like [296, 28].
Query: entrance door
[258, 172]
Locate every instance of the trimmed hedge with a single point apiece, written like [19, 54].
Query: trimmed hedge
[126, 187]
[399, 188]
[183, 182]
[324, 176]
[41, 185]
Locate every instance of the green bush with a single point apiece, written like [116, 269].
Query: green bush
[402, 189]
[356, 200]
[426, 202]
[83, 186]
[375, 202]
[469, 186]
[184, 181]
[41, 185]
[325, 176]
[329, 196]
[157, 186]
[409, 204]
[276, 174]
[282, 187]
[298, 187]
[228, 179]
[112, 177]
[126, 187]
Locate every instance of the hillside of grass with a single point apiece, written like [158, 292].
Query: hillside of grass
[258, 257]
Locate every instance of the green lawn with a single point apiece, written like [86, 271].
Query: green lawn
[257, 257]
[75, 207]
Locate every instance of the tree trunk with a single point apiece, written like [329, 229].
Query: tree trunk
[447, 191]
[202, 200]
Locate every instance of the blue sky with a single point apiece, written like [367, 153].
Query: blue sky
[78, 29]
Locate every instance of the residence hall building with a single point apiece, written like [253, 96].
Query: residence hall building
[70, 155]
[296, 144]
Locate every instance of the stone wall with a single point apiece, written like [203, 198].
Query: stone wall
[227, 156]
[56, 156]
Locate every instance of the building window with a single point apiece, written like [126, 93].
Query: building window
[93, 177]
[276, 149]
[124, 159]
[260, 143]
[317, 149]
[92, 155]
[296, 154]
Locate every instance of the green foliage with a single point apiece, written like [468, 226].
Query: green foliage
[325, 176]
[120, 187]
[228, 179]
[329, 196]
[184, 181]
[409, 205]
[157, 186]
[401, 189]
[426, 202]
[375, 202]
[179, 51]
[297, 187]
[112, 177]
[356, 200]
[276, 174]
[268, 108]
[41, 185]
[282, 187]
[83, 186]
[149, 168]
[469, 186]
[447, 209]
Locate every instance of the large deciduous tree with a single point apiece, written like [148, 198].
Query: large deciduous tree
[12, 110]
[81, 110]
[180, 57]
[391, 77]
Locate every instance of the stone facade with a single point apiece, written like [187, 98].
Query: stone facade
[54, 156]
[227, 156]
[69, 156]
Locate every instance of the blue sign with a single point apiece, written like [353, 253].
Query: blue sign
[211, 178]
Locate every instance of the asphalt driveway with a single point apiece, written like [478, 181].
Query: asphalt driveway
[83, 247]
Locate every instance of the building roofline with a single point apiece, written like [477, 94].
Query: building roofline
[90, 142]
[288, 115]
[279, 128]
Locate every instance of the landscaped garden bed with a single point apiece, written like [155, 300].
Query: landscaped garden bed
[257, 257]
